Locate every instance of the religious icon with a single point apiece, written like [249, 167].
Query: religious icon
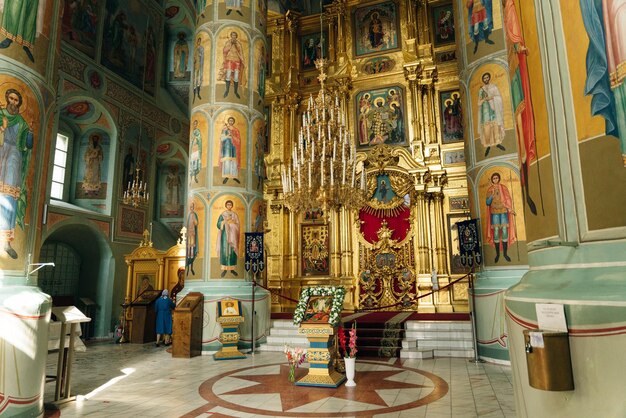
[318, 309]
[229, 307]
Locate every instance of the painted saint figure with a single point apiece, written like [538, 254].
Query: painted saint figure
[198, 68]
[16, 144]
[230, 151]
[500, 217]
[192, 238]
[262, 65]
[195, 155]
[181, 55]
[376, 33]
[520, 95]
[94, 155]
[173, 192]
[228, 239]
[606, 59]
[480, 19]
[129, 167]
[259, 162]
[233, 67]
[490, 115]
[19, 24]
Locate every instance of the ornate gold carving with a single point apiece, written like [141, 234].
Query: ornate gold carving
[320, 356]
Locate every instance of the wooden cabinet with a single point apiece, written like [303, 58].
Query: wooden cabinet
[187, 330]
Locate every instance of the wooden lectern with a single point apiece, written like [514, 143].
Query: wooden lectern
[144, 318]
[187, 327]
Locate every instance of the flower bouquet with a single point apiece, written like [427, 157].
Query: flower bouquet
[350, 350]
[295, 357]
[349, 353]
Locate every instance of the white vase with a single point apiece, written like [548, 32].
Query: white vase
[350, 370]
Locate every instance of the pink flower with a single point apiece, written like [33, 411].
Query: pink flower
[352, 343]
[295, 356]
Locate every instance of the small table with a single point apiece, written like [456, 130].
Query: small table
[72, 316]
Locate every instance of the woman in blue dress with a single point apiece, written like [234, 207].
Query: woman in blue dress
[163, 307]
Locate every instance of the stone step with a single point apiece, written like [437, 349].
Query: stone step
[443, 334]
[415, 353]
[438, 325]
[443, 344]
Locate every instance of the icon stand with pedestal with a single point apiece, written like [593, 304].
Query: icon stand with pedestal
[229, 317]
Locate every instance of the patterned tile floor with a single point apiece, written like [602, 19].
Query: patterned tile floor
[145, 381]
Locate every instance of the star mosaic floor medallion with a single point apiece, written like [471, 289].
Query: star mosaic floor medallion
[382, 387]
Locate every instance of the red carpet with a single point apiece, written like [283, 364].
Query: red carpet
[385, 316]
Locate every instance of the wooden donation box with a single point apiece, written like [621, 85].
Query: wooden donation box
[318, 311]
[229, 317]
[187, 326]
[144, 318]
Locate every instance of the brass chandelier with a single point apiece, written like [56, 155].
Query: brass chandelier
[323, 170]
[137, 194]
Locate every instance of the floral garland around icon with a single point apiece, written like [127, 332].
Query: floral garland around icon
[337, 292]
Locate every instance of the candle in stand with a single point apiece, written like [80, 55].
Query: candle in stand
[150, 231]
[343, 174]
[363, 178]
[309, 174]
[332, 176]
[299, 184]
[353, 173]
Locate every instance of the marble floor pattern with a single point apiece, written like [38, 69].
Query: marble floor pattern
[145, 381]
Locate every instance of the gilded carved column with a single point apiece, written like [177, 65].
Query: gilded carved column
[338, 10]
[291, 22]
[411, 74]
[440, 251]
[411, 18]
[292, 257]
[343, 88]
[423, 228]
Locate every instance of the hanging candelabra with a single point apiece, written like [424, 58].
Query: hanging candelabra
[137, 193]
[323, 169]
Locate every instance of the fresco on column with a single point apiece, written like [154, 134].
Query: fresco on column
[483, 24]
[596, 45]
[257, 217]
[228, 214]
[260, 14]
[490, 98]
[180, 62]
[502, 217]
[171, 187]
[259, 73]
[25, 31]
[204, 11]
[198, 151]
[194, 222]
[19, 140]
[93, 167]
[529, 112]
[232, 60]
[201, 68]
[258, 162]
[230, 149]
[234, 10]
[80, 25]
